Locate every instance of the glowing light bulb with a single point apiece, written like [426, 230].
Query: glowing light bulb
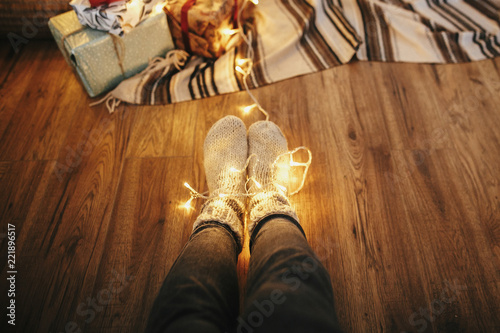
[187, 205]
[257, 184]
[222, 195]
[249, 108]
[190, 188]
[159, 8]
[241, 62]
[233, 169]
[255, 2]
[229, 32]
[240, 70]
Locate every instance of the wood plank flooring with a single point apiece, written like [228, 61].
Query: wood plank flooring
[401, 203]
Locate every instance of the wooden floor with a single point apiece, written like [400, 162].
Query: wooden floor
[401, 204]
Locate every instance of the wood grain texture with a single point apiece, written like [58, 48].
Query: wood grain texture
[8, 59]
[148, 229]
[401, 204]
[39, 98]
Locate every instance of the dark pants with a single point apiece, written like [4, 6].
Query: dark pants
[288, 289]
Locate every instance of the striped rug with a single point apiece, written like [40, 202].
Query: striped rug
[296, 37]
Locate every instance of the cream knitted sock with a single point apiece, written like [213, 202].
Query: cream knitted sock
[225, 153]
[270, 173]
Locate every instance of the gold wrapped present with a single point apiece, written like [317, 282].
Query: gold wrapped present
[206, 27]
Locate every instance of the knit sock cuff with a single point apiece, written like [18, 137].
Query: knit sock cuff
[265, 204]
[227, 211]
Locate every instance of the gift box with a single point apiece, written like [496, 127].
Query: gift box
[206, 27]
[115, 16]
[103, 60]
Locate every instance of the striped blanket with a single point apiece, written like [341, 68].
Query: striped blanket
[296, 37]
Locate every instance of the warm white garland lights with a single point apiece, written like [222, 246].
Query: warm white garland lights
[275, 166]
[244, 67]
[247, 63]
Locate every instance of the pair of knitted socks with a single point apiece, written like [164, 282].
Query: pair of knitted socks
[226, 149]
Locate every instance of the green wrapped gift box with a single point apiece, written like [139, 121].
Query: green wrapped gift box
[102, 60]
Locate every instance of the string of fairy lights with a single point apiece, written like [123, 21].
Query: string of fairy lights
[281, 165]
[285, 161]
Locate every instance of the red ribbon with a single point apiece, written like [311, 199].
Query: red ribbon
[184, 23]
[97, 3]
[235, 15]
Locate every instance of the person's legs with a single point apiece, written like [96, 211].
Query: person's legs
[288, 289]
[200, 293]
